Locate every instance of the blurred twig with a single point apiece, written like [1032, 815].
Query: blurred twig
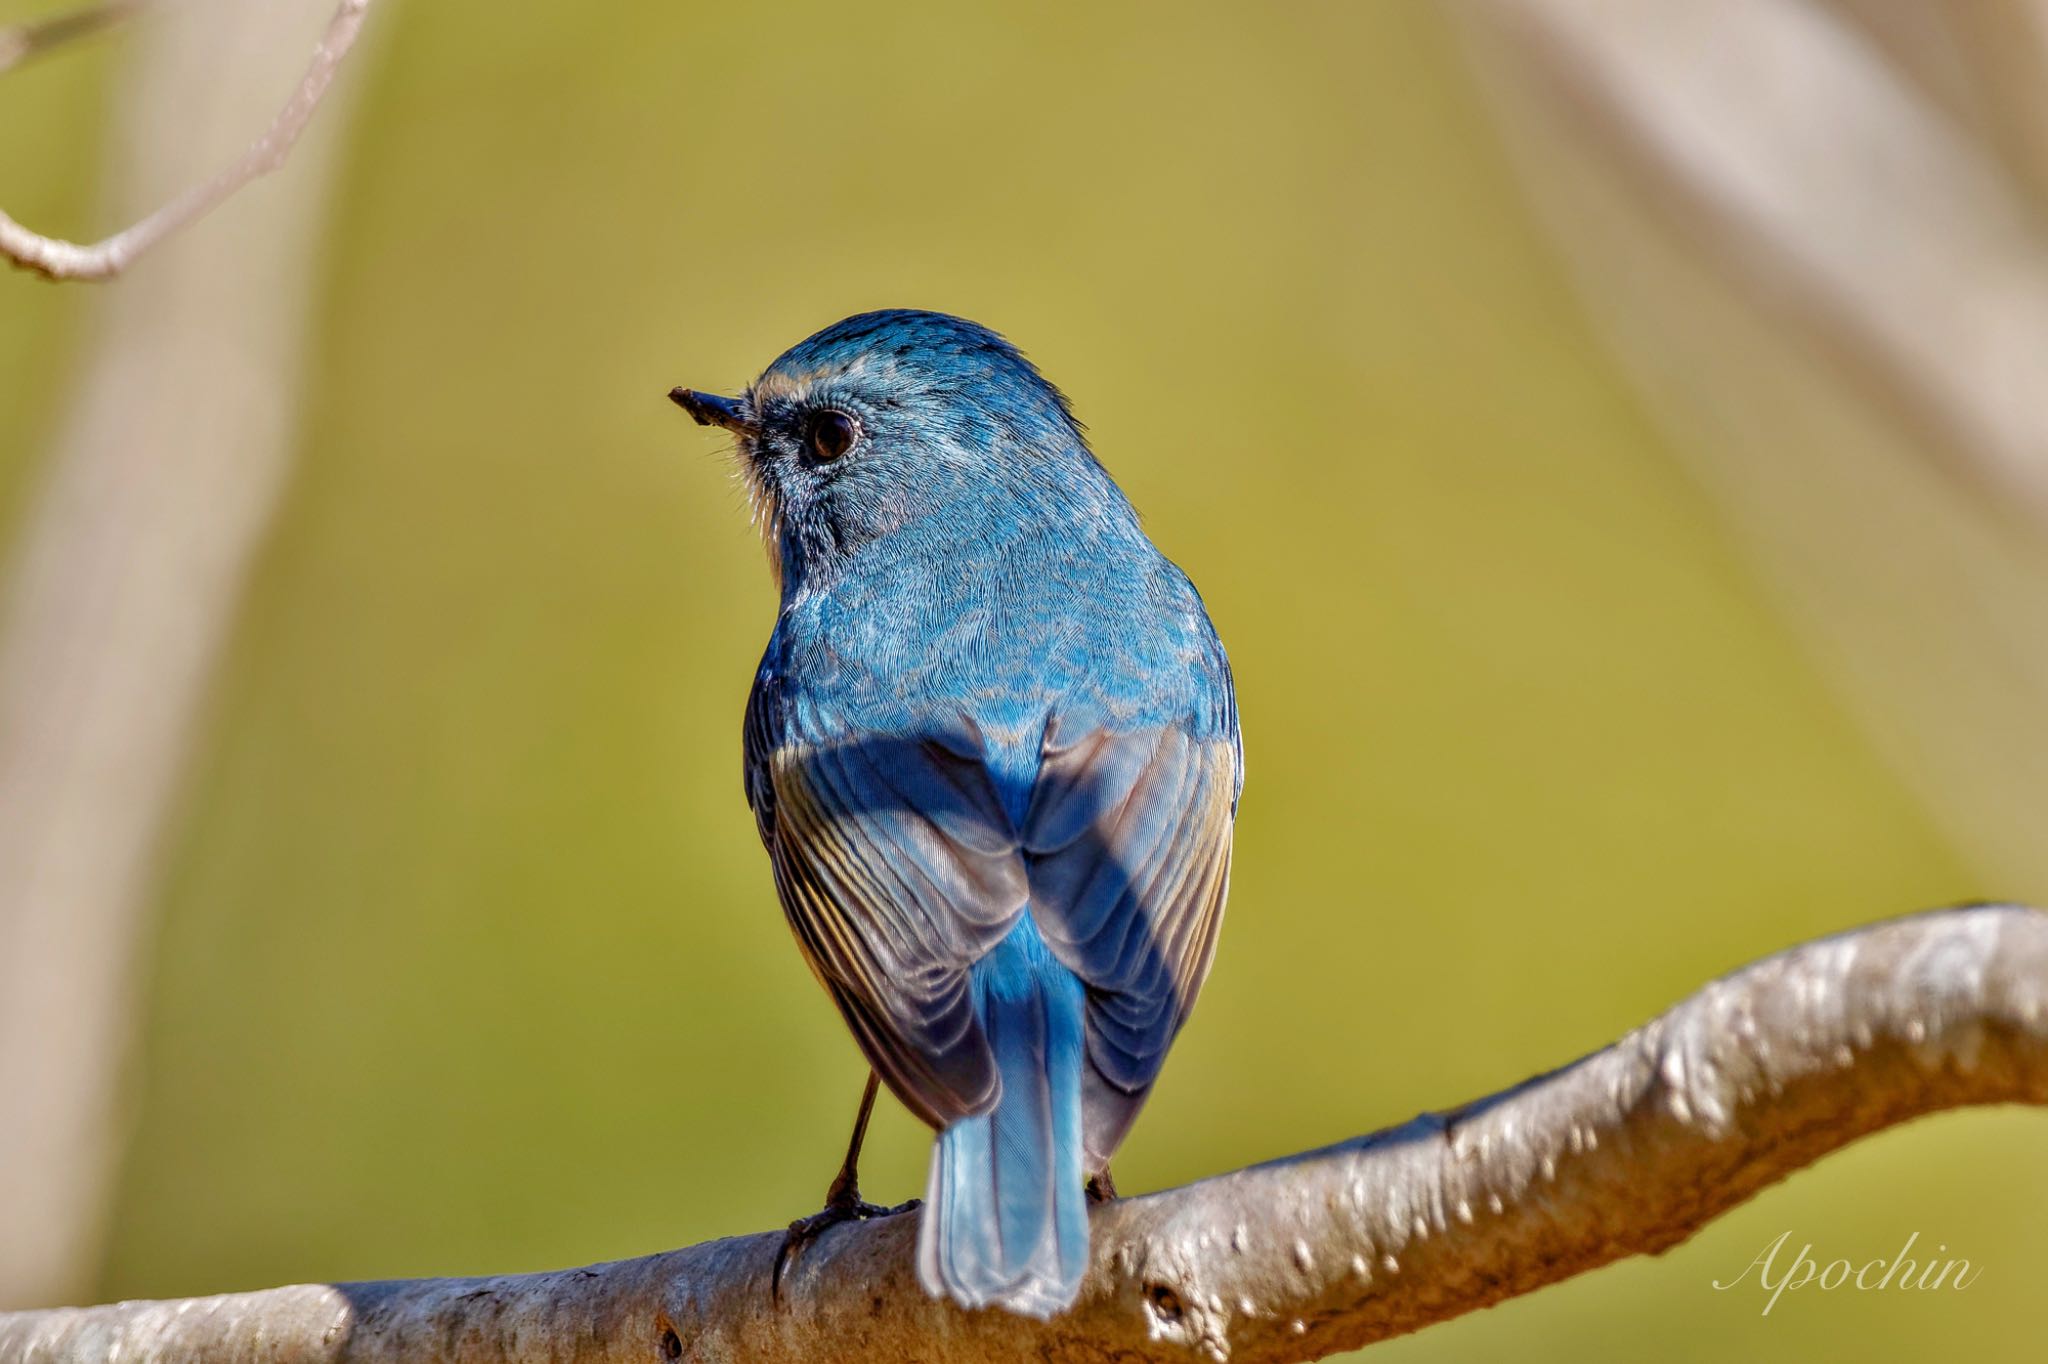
[1625, 1152]
[54, 258]
[19, 42]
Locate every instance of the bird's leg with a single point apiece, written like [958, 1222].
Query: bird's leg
[1101, 1188]
[843, 1202]
[845, 1189]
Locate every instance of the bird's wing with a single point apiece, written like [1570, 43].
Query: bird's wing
[897, 868]
[1127, 843]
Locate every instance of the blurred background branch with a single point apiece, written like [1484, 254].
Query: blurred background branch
[1624, 1152]
[1816, 234]
[125, 577]
[58, 259]
[20, 42]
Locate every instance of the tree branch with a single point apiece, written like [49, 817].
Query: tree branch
[119, 591]
[54, 258]
[1823, 263]
[1627, 1151]
[19, 42]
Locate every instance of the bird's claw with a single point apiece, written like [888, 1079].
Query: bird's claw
[846, 1206]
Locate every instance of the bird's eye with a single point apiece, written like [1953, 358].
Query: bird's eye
[832, 434]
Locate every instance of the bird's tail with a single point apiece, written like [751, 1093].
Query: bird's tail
[1006, 1216]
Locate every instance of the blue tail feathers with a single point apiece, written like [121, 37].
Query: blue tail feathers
[1006, 1216]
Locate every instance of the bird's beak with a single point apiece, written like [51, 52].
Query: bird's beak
[711, 410]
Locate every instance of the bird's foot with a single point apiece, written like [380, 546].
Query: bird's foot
[842, 1204]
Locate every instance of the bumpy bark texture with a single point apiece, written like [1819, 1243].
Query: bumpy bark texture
[1624, 1152]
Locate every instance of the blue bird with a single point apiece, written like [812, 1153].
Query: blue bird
[992, 750]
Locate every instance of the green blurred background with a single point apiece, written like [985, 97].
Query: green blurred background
[465, 957]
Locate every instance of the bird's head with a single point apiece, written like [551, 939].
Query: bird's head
[900, 418]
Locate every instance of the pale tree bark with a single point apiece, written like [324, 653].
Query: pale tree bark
[124, 580]
[1816, 233]
[1625, 1152]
